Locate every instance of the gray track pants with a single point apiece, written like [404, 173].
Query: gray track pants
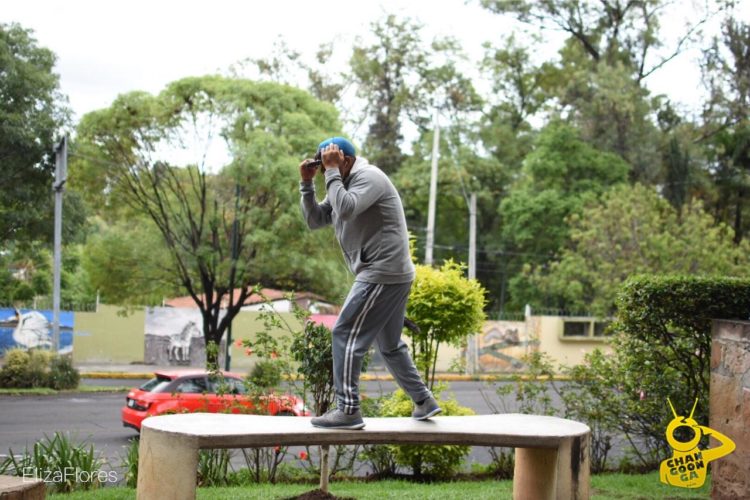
[373, 312]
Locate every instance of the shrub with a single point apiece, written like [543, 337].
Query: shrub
[438, 461]
[130, 463]
[447, 307]
[213, 466]
[15, 372]
[265, 375]
[662, 349]
[37, 368]
[62, 373]
[70, 466]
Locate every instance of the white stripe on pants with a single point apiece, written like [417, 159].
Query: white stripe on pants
[372, 312]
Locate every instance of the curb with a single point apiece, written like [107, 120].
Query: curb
[447, 377]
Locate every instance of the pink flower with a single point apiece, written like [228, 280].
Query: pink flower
[277, 449]
[238, 343]
[248, 352]
[303, 455]
[642, 395]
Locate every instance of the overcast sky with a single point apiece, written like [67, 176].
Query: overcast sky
[107, 48]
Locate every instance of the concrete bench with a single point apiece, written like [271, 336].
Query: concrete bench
[21, 488]
[552, 454]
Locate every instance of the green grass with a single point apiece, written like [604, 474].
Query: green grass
[45, 391]
[603, 487]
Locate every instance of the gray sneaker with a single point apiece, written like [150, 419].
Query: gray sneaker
[428, 408]
[337, 419]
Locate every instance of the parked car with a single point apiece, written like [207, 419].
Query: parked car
[180, 391]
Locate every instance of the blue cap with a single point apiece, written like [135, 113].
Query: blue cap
[344, 145]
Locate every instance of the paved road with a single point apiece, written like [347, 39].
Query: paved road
[95, 417]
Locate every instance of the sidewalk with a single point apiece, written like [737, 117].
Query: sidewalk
[143, 371]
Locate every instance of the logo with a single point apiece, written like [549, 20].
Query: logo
[687, 467]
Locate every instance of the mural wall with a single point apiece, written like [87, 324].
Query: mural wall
[174, 337]
[502, 344]
[29, 329]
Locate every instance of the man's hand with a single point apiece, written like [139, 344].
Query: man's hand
[332, 156]
[307, 172]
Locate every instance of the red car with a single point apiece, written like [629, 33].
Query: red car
[180, 391]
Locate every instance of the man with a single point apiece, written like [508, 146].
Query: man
[366, 212]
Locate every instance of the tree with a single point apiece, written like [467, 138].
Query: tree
[242, 201]
[447, 308]
[611, 31]
[400, 79]
[726, 74]
[558, 178]
[124, 262]
[32, 113]
[635, 231]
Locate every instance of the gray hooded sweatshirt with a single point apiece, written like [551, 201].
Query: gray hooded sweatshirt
[368, 219]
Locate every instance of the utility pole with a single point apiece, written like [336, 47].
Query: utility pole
[433, 193]
[473, 236]
[235, 251]
[61, 175]
[472, 347]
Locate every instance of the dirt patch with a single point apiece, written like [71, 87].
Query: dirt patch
[318, 495]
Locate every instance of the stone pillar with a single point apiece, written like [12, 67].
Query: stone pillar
[553, 474]
[730, 406]
[167, 466]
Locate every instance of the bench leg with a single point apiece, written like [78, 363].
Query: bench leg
[544, 473]
[573, 466]
[167, 466]
[534, 474]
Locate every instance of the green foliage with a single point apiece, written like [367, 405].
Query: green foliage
[124, 262]
[633, 230]
[213, 466]
[37, 368]
[581, 401]
[265, 374]
[532, 388]
[68, 465]
[130, 463]
[447, 307]
[401, 78]
[312, 350]
[661, 350]
[726, 73]
[62, 373]
[434, 461]
[224, 219]
[31, 113]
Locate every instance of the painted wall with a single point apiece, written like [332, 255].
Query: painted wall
[108, 336]
[28, 328]
[565, 350]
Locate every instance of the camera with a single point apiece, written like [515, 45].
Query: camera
[316, 162]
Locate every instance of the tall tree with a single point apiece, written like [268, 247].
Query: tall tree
[616, 32]
[633, 230]
[726, 73]
[238, 200]
[559, 178]
[400, 78]
[32, 112]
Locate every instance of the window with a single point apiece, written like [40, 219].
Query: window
[576, 328]
[228, 385]
[582, 328]
[192, 386]
[156, 384]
